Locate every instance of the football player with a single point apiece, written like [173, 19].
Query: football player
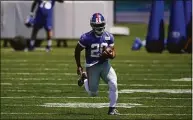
[99, 48]
[42, 18]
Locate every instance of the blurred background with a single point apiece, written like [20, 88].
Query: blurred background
[71, 19]
[130, 11]
[120, 16]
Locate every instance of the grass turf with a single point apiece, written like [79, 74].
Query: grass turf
[31, 79]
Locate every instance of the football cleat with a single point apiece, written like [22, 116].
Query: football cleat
[31, 48]
[113, 111]
[48, 48]
[81, 79]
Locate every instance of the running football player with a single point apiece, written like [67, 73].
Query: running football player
[99, 49]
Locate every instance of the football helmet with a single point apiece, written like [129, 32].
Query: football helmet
[97, 22]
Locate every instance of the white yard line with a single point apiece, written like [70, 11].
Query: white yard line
[78, 105]
[33, 78]
[6, 83]
[37, 73]
[42, 69]
[123, 91]
[62, 73]
[156, 90]
[145, 114]
[91, 105]
[65, 69]
[155, 85]
[56, 84]
[182, 79]
[134, 85]
[40, 97]
[3, 113]
[63, 61]
[59, 79]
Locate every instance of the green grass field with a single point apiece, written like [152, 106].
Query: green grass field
[40, 85]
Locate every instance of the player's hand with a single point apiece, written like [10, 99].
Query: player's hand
[79, 70]
[29, 21]
[107, 53]
[31, 14]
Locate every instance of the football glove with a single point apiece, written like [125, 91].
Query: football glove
[29, 20]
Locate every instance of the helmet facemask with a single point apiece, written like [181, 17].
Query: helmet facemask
[98, 28]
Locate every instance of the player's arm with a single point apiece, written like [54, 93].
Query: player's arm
[112, 46]
[113, 54]
[77, 54]
[35, 2]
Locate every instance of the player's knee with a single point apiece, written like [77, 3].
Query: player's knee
[93, 94]
[49, 34]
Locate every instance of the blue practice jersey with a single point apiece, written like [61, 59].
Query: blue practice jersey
[94, 45]
[45, 7]
[44, 13]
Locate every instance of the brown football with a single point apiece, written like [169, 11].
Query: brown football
[107, 52]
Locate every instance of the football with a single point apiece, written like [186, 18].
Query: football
[107, 52]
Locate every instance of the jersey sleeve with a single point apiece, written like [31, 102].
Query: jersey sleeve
[111, 41]
[82, 42]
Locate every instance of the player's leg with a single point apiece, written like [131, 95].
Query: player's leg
[33, 37]
[36, 27]
[92, 82]
[48, 28]
[109, 76]
[49, 41]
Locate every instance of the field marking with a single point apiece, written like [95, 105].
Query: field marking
[3, 113]
[156, 90]
[132, 98]
[34, 79]
[50, 79]
[135, 67]
[182, 79]
[89, 105]
[155, 85]
[123, 91]
[62, 73]
[37, 73]
[59, 84]
[6, 83]
[43, 69]
[63, 61]
[36, 64]
[64, 69]
[59, 79]
[134, 85]
[157, 114]
[142, 114]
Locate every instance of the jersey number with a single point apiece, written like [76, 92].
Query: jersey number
[96, 49]
[46, 4]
